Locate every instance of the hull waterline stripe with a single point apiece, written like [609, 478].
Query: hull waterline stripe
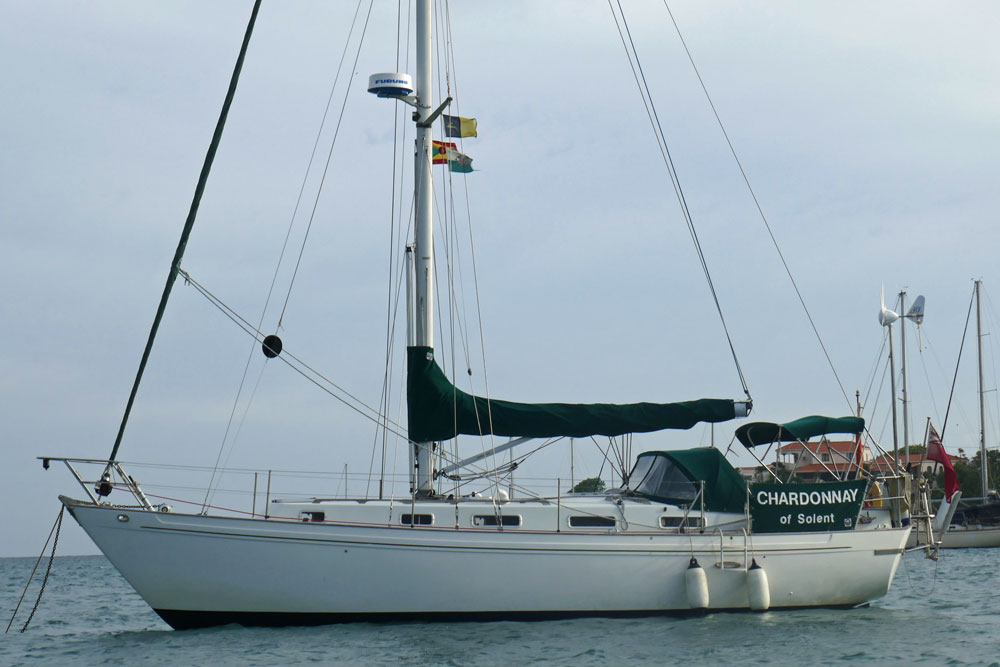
[189, 620]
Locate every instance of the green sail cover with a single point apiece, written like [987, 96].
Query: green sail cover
[437, 410]
[725, 489]
[764, 433]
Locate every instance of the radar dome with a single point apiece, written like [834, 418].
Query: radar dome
[390, 84]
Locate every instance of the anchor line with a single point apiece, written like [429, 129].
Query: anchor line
[56, 527]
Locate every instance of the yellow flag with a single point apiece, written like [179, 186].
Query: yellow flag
[456, 126]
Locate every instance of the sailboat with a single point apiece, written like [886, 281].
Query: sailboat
[975, 526]
[678, 536]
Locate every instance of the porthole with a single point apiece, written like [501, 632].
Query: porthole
[589, 521]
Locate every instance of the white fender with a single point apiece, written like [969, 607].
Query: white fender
[696, 583]
[758, 591]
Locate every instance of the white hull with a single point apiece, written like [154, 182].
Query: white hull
[199, 570]
[970, 538]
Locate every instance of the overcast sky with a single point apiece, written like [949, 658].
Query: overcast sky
[868, 130]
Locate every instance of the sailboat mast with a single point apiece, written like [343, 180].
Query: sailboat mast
[424, 216]
[982, 394]
[892, 388]
[902, 371]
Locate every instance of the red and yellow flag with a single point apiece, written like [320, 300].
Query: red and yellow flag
[440, 152]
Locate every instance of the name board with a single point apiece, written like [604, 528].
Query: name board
[797, 508]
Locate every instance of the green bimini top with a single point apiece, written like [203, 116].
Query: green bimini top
[675, 477]
[437, 410]
[765, 433]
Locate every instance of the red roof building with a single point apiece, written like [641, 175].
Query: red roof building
[823, 459]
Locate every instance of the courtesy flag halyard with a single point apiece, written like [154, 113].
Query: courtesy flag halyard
[935, 452]
[459, 162]
[441, 151]
[456, 126]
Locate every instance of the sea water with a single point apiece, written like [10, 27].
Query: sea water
[944, 613]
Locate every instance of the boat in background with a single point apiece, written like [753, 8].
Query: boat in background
[974, 525]
[977, 526]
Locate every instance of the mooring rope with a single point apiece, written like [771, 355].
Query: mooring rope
[55, 530]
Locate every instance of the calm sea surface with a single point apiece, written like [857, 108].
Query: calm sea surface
[941, 614]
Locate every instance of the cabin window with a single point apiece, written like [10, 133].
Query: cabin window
[825, 458]
[312, 516]
[588, 521]
[417, 519]
[678, 521]
[491, 520]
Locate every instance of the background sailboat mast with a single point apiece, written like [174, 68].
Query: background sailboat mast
[902, 350]
[886, 318]
[424, 217]
[892, 389]
[984, 474]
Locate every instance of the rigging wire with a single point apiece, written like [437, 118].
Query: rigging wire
[395, 265]
[232, 412]
[199, 190]
[760, 210]
[870, 382]
[456, 315]
[654, 119]
[443, 213]
[927, 377]
[881, 385]
[278, 265]
[954, 380]
[960, 407]
[389, 320]
[904, 399]
[483, 472]
[468, 206]
[604, 453]
[209, 492]
[400, 281]
[451, 71]
[329, 156]
[312, 157]
[299, 366]
[392, 319]
[992, 313]
[451, 83]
